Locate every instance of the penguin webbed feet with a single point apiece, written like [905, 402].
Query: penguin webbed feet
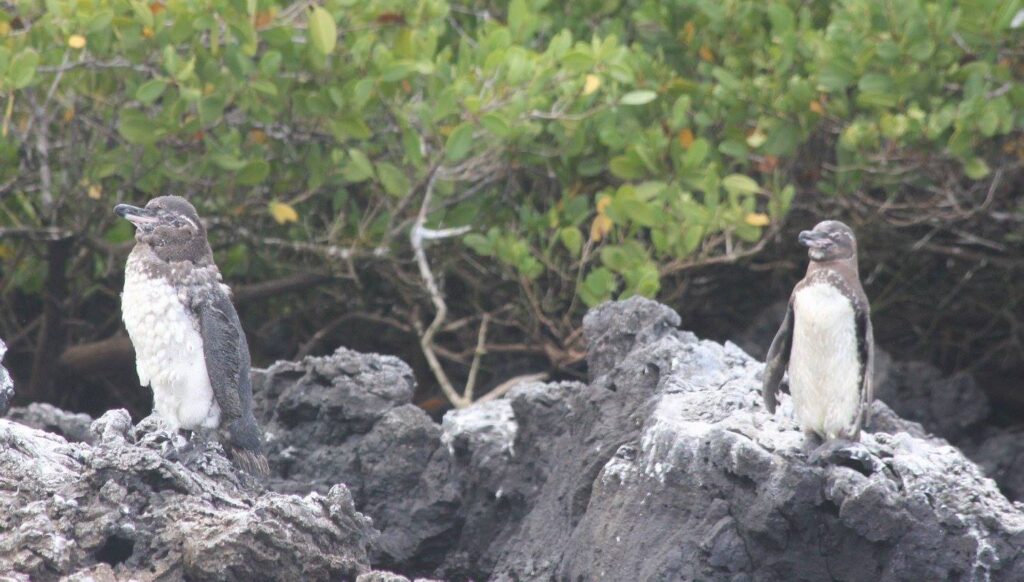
[847, 453]
[194, 447]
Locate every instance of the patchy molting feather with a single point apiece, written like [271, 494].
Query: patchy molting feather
[168, 349]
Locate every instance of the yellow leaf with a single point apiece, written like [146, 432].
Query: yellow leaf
[686, 138]
[95, 191]
[603, 203]
[5, 28]
[600, 227]
[688, 31]
[593, 83]
[257, 136]
[706, 54]
[147, 32]
[283, 212]
[76, 41]
[816, 107]
[263, 18]
[757, 219]
[756, 138]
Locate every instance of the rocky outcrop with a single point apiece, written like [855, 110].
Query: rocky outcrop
[664, 466]
[73, 426]
[672, 470]
[119, 510]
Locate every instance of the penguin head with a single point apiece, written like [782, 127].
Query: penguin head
[830, 240]
[171, 226]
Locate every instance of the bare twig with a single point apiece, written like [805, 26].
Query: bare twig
[427, 335]
[474, 368]
[503, 388]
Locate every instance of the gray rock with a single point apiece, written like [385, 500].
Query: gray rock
[73, 426]
[949, 406]
[1000, 452]
[347, 418]
[672, 470]
[119, 509]
[664, 467]
[6, 385]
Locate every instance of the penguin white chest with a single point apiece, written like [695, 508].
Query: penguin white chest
[168, 352]
[824, 364]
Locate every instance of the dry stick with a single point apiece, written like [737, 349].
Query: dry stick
[511, 383]
[474, 368]
[427, 336]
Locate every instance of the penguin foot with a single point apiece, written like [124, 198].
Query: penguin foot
[170, 452]
[846, 453]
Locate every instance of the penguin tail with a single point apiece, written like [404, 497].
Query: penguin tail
[246, 448]
[252, 462]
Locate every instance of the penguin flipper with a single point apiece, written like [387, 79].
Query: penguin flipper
[777, 360]
[227, 365]
[866, 351]
[222, 349]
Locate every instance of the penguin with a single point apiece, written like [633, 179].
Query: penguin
[826, 341]
[189, 343]
[6, 385]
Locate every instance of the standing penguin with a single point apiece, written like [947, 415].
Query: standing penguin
[826, 340]
[189, 343]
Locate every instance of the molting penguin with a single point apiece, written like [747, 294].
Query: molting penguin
[189, 343]
[826, 340]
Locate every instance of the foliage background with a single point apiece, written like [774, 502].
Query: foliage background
[447, 179]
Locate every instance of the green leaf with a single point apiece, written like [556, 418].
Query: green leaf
[479, 243]
[638, 98]
[263, 86]
[459, 142]
[323, 33]
[626, 167]
[228, 161]
[783, 139]
[150, 91]
[496, 124]
[211, 108]
[360, 167]
[394, 180]
[270, 62]
[23, 68]
[616, 258]
[740, 184]
[136, 128]
[572, 239]
[598, 286]
[976, 168]
[253, 173]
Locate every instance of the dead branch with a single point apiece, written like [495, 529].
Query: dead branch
[256, 291]
[503, 388]
[441, 308]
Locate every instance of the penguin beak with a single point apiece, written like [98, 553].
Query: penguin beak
[813, 240]
[135, 215]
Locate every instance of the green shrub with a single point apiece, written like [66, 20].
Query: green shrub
[594, 148]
